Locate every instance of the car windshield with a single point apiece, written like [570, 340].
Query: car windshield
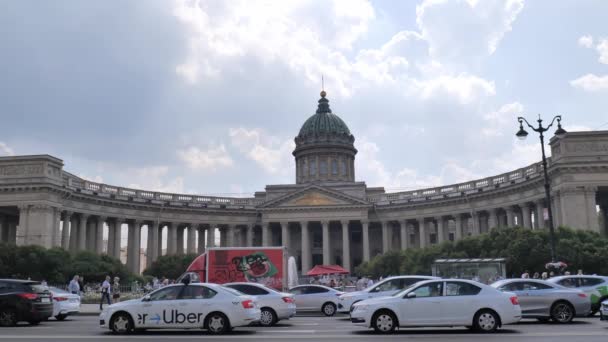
[402, 292]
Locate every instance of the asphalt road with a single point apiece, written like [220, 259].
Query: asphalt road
[85, 328]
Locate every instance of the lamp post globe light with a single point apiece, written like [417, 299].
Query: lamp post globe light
[560, 132]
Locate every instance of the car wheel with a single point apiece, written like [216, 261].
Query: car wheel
[8, 318]
[486, 321]
[329, 309]
[217, 323]
[384, 322]
[60, 317]
[268, 318]
[121, 323]
[562, 312]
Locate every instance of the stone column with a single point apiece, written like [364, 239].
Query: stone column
[285, 234]
[152, 245]
[326, 250]
[540, 214]
[422, 230]
[191, 243]
[201, 239]
[249, 228]
[65, 233]
[365, 230]
[211, 236]
[111, 237]
[526, 215]
[22, 229]
[82, 232]
[345, 245]
[159, 240]
[510, 217]
[476, 226]
[385, 238]
[99, 234]
[5, 229]
[440, 223]
[74, 232]
[56, 238]
[593, 223]
[136, 247]
[265, 234]
[403, 234]
[179, 247]
[230, 235]
[118, 238]
[306, 255]
[492, 218]
[12, 232]
[91, 228]
[458, 223]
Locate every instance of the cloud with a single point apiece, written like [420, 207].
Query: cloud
[211, 159]
[602, 49]
[466, 88]
[6, 150]
[586, 41]
[154, 179]
[591, 83]
[497, 120]
[271, 154]
[460, 30]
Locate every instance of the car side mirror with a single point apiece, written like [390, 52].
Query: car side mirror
[410, 295]
[146, 298]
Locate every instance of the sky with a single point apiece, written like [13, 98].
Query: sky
[206, 97]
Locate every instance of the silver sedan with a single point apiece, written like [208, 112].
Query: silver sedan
[544, 300]
[316, 298]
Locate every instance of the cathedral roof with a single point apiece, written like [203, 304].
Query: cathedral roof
[324, 121]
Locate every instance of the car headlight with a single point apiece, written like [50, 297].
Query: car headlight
[360, 307]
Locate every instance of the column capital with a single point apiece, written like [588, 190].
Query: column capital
[344, 222]
[325, 223]
[508, 209]
[304, 223]
[364, 222]
[102, 218]
[438, 218]
[84, 216]
[67, 214]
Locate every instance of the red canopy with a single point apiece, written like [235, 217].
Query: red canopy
[326, 269]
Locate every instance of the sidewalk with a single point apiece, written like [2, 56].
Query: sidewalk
[90, 309]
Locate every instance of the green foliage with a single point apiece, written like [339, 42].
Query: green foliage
[523, 248]
[170, 266]
[56, 265]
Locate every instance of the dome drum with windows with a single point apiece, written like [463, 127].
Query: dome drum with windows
[325, 150]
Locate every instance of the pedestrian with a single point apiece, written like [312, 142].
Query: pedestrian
[116, 290]
[43, 283]
[544, 276]
[551, 274]
[370, 282]
[525, 275]
[580, 272]
[81, 284]
[106, 289]
[536, 275]
[74, 287]
[567, 273]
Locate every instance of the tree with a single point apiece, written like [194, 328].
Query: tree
[170, 266]
[524, 249]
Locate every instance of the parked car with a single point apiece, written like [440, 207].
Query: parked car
[64, 303]
[596, 287]
[207, 306]
[274, 305]
[604, 311]
[544, 300]
[316, 298]
[440, 303]
[24, 300]
[386, 287]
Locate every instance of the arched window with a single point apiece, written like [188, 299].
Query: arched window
[334, 167]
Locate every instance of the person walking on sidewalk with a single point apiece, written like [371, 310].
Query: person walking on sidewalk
[116, 290]
[74, 287]
[105, 292]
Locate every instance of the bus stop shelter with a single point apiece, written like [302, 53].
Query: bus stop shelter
[483, 270]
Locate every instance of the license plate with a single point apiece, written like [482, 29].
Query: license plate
[45, 300]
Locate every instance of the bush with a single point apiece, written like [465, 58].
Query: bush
[523, 248]
[56, 265]
[170, 266]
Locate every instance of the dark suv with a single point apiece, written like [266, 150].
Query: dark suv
[24, 300]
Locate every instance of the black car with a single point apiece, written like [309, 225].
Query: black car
[24, 300]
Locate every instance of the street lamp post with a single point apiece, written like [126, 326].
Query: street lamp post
[560, 132]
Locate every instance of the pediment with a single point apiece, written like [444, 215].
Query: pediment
[315, 196]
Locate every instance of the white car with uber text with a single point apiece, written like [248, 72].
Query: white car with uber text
[386, 287]
[436, 303]
[183, 306]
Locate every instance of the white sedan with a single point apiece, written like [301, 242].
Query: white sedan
[386, 287]
[64, 303]
[436, 303]
[183, 306]
[275, 305]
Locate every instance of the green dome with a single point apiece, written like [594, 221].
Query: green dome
[324, 121]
